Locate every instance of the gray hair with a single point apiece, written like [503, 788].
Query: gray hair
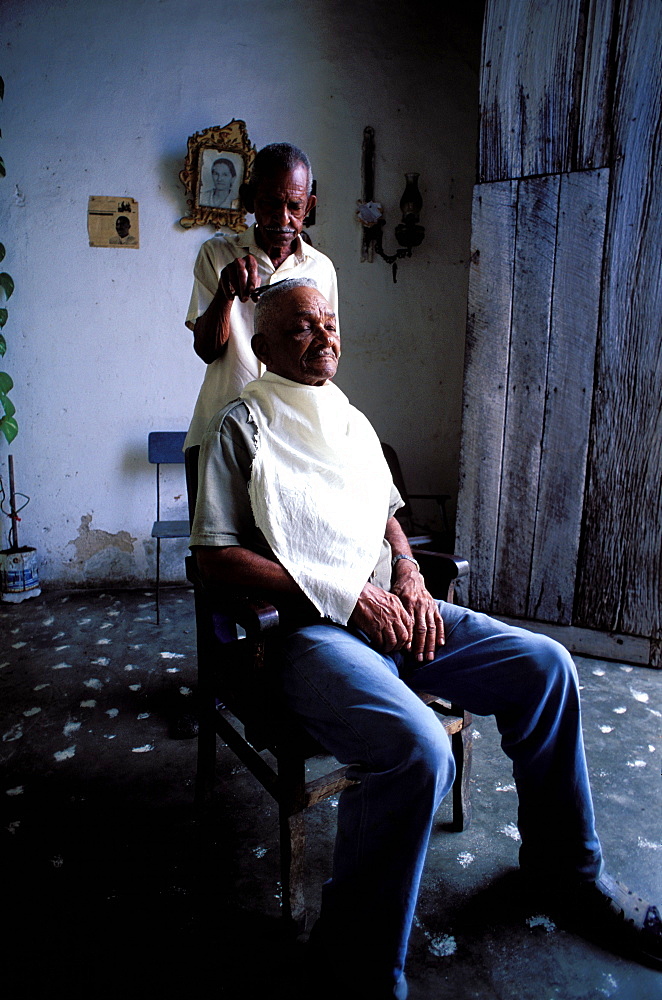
[266, 307]
[277, 157]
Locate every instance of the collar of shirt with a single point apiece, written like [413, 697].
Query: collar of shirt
[247, 241]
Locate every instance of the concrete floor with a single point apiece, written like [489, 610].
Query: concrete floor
[111, 887]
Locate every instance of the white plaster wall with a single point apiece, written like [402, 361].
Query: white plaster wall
[100, 97]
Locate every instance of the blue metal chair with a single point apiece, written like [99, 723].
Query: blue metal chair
[165, 448]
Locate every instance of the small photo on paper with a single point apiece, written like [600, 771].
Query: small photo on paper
[113, 222]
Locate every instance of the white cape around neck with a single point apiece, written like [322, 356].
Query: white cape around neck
[319, 488]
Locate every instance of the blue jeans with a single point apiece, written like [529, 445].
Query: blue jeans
[361, 706]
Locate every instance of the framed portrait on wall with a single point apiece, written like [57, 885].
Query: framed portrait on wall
[218, 161]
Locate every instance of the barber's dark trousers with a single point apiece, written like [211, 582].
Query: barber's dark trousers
[362, 707]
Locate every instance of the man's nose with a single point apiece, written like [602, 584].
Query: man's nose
[324, 336]
[281, 214]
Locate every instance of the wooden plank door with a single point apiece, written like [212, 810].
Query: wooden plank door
[560, 495]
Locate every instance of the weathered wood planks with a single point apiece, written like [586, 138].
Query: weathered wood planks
[486, 374]
[620, 572]
[528, 389]
[535, 246]
[569, 394]
[560, 501]
[545, 81]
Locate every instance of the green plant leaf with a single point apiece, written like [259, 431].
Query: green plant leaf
[3, 346]
[6, 383]
[9, 428]
[7, 283]
[3, 317]
[2, 252]
[7, 405]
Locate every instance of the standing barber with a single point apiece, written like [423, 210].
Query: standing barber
[229, 268]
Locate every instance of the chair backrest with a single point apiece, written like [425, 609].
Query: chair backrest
[166, 447]
[404, 514]
[191, 460]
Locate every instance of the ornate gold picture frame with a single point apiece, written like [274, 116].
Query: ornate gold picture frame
[218, 162]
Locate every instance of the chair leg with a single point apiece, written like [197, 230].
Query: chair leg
[291, 779]
[462, 747]
[206, 763]
[158, 578]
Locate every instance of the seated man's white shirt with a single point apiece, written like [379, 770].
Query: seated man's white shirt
[226, 376]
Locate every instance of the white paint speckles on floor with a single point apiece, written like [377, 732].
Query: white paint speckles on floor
[649, 844]
[439, 945]
[465, 859]
[540, 920]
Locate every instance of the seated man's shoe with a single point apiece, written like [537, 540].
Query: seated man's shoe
[608, 913]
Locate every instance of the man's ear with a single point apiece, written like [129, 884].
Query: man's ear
[310, 205]
[260, 346]
[247, 198]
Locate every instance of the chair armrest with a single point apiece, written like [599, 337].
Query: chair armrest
[439, 497]
[255, 615]
[441, 570]
[455, 566]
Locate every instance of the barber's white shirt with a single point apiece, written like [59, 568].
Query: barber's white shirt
[226, 376]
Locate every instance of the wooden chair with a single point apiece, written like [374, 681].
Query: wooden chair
[165, 448]
[238, 702]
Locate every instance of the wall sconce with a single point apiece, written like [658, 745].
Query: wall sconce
[408, 233]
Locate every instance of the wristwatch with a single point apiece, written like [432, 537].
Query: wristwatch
[403, 556]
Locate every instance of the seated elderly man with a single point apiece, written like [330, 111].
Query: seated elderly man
[296, 501]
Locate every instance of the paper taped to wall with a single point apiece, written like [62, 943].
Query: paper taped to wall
[113, 222]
